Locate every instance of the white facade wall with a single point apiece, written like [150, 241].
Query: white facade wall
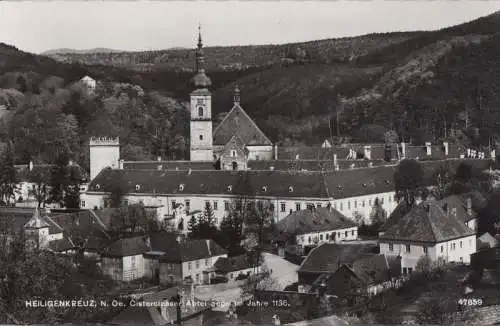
[282, 206]
[260, 153]
[195, 268]
[133, 267]
[347, 234]
[364, 204]
[93, 199]
[457, 250]
[102, 156]
[472, 224]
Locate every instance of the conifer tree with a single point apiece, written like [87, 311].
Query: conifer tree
[193, 227]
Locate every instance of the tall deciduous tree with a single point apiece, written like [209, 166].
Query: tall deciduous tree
[65, 182]
[40, 186]
[409, 181]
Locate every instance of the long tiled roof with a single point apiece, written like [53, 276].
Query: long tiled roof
[427, 222]
[190, 250]
[457, 205]
[328, 257]
[126, 247]
[232, 264]
[377, 152]
[294, 184]
[317, 219]
[238, 123]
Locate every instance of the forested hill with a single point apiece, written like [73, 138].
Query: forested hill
[423, 85]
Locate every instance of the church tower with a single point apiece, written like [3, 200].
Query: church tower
[201, 137]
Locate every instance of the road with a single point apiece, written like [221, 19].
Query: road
[283, 272]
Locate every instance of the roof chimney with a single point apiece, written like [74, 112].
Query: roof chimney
[275, 152]
[209, 249]
[469, 206]
[31, 166]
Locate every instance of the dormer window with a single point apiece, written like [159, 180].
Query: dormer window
[229, 188]
[290, 189]
[181, 187]
[264, 188]
[98, 186]
[387, 181]
[137, 187]
[364, 185]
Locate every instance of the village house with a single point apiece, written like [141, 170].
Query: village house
[427, 230]
[160, 308]
[315, 226]
[90, 83]
[364, 277]
[236, 268]
[162, 257]
[328, 258]
[41, 231]
[465, 207]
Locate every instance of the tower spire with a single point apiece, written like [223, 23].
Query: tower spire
[200, 42]
[200, 80]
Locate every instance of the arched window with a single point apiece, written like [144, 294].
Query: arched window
[200, 111]
[235, 166]
[201, 137]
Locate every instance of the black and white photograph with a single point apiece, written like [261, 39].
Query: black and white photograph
[250, 163]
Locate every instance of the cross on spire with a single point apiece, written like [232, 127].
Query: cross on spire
[200, 42]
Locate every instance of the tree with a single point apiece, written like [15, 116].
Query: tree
[40, 187]
[261, 216]
[132, 219]
[71, 188]
[259, 282]
[117, 193]
[58, 179]
[206, 225]
[378, 215]
[193, 226]
[8, 175]
[231, 232]
[409, 181]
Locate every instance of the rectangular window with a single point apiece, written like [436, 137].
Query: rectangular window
[82, 203]
[321, 237]
[197, 277]
[226, 205]
[197, 264]
[363, 203]
[206, 203]
[389, 198]
[352, 232]
[283, 207]
[391, 247]
[271, 207]
[408, 248]
[206, 262]
[238, 205]
[260, 205]
[442, 249]
[355, 204]
[335, 205]
[461, 259]
[382, 200]
[425, 250]
[173, 204]
[215, 205]
[188, 205]
[249, 206]
[345, 234]
[327, 236]
[339, 235]
[297, 206]
[460, 244]
[341, 206]
[405, 271]
[133, 261]
[369, 202]
[349, 205]
[189, 266]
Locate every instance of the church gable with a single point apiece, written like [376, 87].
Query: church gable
[234, 155]
[238, 123]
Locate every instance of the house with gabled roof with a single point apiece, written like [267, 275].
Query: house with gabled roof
[369, 275]
[163, 257]
[317, 225]
[427, 230]
[328, 258]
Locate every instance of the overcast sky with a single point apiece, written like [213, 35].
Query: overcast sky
[146, 25]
